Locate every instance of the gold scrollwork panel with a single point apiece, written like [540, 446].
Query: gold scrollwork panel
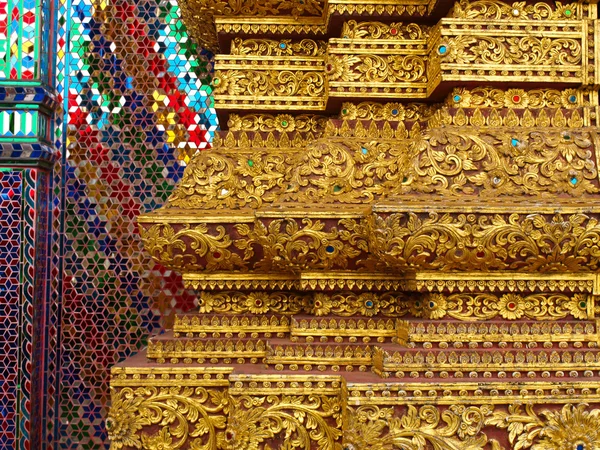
[486, 241]
[159, 417]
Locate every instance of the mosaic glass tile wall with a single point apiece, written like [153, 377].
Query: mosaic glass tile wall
[10, 242]
[138, 106]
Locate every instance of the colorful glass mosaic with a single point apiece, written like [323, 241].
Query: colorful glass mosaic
[136, 101]
[139, 106]
[10, 242]
[19, 43]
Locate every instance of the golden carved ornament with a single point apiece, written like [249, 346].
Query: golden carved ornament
[300, 421]
[483, 242]
[277, 122]
[508, 306]
[497, 10]
[349, 172]
[232, 180]
[379, 30]
[390, 304]
[190, 416]
[462, 427]
[278, 47]
[494, 163]
[199, 14]
[269, 83]
[459, 427]
[516, 98]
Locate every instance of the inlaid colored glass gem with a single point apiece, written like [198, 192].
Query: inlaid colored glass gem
[250, 163]
[369, 303]
[496, 180]
[394, 112]
[583, 305]
[442, 49]
[480, 254]
[258, 302]
[516, 12]
[516, 98]
[404, 179]
[344, 111]
[432, 304]
[217, 255]
[572, 98]
[457, 98]
[393, 31]
[329, 67]
[216, 81]
[580, 447]
[284, 123]
[364, 151]
[568, 12]
[282, 45]
[512, 306]
[337, 188]
[574, 180]
[567, 137]
[330, 249]
[514, 142]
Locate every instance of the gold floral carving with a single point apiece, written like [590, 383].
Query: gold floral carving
[199, 14]
[572, 427]
[209, 248]
[298, 421]
[494, 163]
[291, 245]
[253, 303]
[376, 69]
[484, 242]
[219, 181]
[379, 30]
[497, 10]
[515, 98]
[280, 122]
[367, 304]
[277, 47]
[274, 83]
[526, 50]
[459, 427]
[182, 415]
[462, 427]
[387, 111]
[390, 304]
[350, 172]
[508, 306]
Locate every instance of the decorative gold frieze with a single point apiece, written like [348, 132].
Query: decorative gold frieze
[510, 306]
[214, 325]
[545, 333]
[353, 330]
[319, 357]
[190, 350]
[485, 363]
[498, 236]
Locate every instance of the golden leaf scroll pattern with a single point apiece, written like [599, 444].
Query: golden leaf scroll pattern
[183, 416]
[521, 242]
[461, 427]
[298, 422]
